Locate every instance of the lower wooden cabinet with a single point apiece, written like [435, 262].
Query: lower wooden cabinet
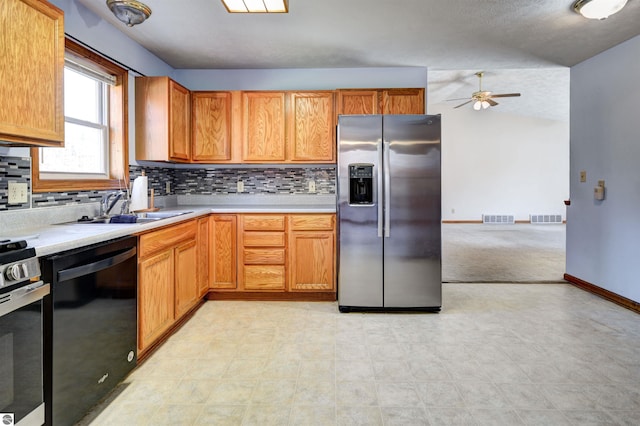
[261, 252]
[155, 297]
[222, 252]
[312, 252]
[186, 276]
[167, 279]
[203, 255]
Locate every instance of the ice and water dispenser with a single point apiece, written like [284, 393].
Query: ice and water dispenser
[361, 184]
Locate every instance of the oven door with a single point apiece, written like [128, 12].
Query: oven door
[21, 355]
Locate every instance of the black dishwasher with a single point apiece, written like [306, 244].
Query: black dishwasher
[90, 326]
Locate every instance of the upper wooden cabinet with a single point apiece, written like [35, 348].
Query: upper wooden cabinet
[263, 127]
[311, 127]
[31, 73]
[215, 117]
[355, 102]
[380, 101]
[402, 101]
[163, 124]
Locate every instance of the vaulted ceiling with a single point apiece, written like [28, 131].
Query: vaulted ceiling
[438, 34]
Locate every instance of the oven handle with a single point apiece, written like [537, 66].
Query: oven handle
[23, 296]
[90, 268]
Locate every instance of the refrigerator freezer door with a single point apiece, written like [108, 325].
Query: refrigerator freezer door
[360, 253]
[412, 250]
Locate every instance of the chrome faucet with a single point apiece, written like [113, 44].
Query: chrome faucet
[109, 201]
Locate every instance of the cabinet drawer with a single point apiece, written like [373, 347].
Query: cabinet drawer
[264, 256]
[263, 223]
[168, 237]
[261, 277]
[263, 239]
[311, 222]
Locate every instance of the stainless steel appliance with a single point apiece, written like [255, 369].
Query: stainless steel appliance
[91, 326]
[22, 295]
[389, 212]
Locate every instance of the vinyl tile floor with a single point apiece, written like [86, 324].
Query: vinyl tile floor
[497, 354]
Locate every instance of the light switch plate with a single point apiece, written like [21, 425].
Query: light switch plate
[18, 193]
[583, 176]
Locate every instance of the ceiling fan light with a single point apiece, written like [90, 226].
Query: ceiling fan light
[598, 9]
[485, 105]
[131, 12]
[477, 105]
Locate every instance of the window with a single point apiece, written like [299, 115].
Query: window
[95, 153]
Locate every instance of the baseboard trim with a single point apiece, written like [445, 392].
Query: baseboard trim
[605, 294]
[480, 222]
[272, 296]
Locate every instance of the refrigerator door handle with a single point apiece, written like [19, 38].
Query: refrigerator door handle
[387, 188]
[380, 194]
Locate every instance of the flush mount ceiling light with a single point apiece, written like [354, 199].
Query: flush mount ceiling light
[256, 6]
[131, 12]
[598, 9]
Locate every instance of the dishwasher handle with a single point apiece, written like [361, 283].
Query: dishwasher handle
[90, 268]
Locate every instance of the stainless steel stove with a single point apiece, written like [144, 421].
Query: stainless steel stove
[22, 295]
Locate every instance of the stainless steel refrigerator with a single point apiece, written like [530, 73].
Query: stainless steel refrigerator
[389, 212]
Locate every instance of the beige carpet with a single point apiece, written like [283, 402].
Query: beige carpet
[521, 253]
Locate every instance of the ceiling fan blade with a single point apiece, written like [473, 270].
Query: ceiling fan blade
[505, 95]
[492, 102]
[457, 99]
[469, 101]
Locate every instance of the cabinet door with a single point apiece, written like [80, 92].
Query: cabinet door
[31, 73]
[311, 128]
[155, 297]
[223, 252]
[264, 126]
[211, 126]
[312, 261]
[186, 276]
[179, 122]
[357, 102]
[203, 256]
[403, 101]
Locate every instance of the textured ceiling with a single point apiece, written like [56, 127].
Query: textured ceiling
[438, 34]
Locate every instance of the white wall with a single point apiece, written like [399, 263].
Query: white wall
[508, 159]
[603, 237]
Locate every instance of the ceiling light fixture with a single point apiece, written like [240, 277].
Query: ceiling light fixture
[256, 6]
[131, 12]
[598, 9]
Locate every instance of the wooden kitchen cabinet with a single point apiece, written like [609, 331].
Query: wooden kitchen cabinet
[186, 276]
[263, 127]
[167, 279]
[402, 101]
[203, 255]
[262, 253]
[312, 242]
[215, 125]
[223, 248]
[32, 73]
[155, 297]
[355, 102]
[380, 101]
[163, 120]
[311, 127]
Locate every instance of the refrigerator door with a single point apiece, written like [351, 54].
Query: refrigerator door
[412, 243]
[360, 221]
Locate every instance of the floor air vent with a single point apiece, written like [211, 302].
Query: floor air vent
[541, 219]
[498, 218]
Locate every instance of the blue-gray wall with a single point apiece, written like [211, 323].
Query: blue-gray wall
[603, 237]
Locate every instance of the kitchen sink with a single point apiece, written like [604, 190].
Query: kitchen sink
[128, 218]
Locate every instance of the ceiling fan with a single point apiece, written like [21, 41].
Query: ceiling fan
[483, 99]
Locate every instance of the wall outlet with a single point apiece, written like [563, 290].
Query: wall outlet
[312, 186]
[240, 187]
[167, 187]
[583, 175]
[18, 193]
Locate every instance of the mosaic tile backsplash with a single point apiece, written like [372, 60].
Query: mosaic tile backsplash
[205, 181]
